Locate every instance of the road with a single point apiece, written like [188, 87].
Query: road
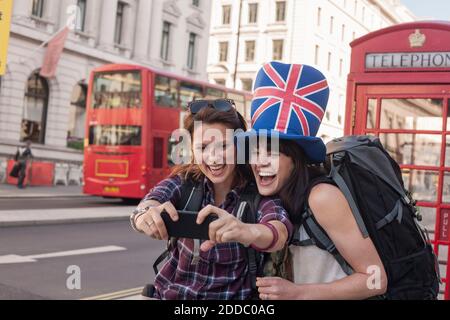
[110, 256]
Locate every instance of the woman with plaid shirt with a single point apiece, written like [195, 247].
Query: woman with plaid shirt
[220, 270]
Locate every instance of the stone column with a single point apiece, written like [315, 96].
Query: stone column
[108, 24]
[144, 16]
[21, 9]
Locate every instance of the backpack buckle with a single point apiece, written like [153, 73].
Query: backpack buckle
[339, 156]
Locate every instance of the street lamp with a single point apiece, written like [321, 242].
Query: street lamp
[237, 44]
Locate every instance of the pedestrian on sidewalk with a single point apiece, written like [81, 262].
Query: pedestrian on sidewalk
[23, 155]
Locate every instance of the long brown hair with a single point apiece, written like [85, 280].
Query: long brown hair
[293, 194]
[231, 119]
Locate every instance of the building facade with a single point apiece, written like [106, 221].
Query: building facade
[247, 33]
[163, 34]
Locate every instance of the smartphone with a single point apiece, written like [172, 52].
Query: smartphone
[187, 227]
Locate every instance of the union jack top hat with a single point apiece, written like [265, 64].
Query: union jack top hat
[290, 100]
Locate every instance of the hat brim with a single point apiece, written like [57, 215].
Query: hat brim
[314, 147]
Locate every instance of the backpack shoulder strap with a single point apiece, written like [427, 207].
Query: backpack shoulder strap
[191, 200]
[339, 181]
[247, 210]
[191, 196]
[249, 201]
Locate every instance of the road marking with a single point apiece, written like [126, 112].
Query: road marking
[117, 295]
[15, 259]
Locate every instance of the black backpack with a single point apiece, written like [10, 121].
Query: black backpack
[384, 211]
[191, 200]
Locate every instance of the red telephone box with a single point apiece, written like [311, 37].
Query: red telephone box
[399, 90]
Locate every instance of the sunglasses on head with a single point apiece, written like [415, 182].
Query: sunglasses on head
[222, 105]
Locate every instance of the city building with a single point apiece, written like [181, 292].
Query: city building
[163, 34]
[247, 33]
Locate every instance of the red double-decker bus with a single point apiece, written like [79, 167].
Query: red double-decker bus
[132, 112]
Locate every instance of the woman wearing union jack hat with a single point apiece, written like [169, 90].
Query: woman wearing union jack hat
[289, 103]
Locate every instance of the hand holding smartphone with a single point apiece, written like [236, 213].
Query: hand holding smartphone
[187, 227]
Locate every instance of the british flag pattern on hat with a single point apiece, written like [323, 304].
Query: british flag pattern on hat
[290, 99]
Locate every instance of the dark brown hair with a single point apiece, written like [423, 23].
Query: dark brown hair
[293, 194]
[231, 119]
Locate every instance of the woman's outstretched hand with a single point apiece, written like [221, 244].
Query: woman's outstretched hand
[227, 228]
[153, 225]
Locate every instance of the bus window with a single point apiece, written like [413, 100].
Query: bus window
[189, 92]
[214, 94]
[114, 90]
[172, 143]
[115, 135]
[166, 92]
[158, 146]
[239, 100]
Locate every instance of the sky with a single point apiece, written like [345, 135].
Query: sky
[433, 9]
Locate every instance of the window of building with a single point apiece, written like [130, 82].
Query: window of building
[341, 108]
[278, 49]
[316, 55]
[81, 15]
[354, 35]
[165, 41]
[77, 116]
[37, 9]
[252, 13]
[247, 84]
[319, 16]
[226, 15]
[331, 24]
[191, 51]
[355, 8]
[363, 14]
[341, 67]
[223, 51]
[249, 51]
[329, 61]
[196, 3]
[166, 92]
[35, 111]
[120, 16]
[343, 33]
[280, 11]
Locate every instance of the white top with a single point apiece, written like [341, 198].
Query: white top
[312, 265]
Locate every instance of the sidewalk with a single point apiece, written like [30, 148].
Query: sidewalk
[23, 218]
[16, 218]
[10, 191]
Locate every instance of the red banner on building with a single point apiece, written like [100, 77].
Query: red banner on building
[54, 50]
